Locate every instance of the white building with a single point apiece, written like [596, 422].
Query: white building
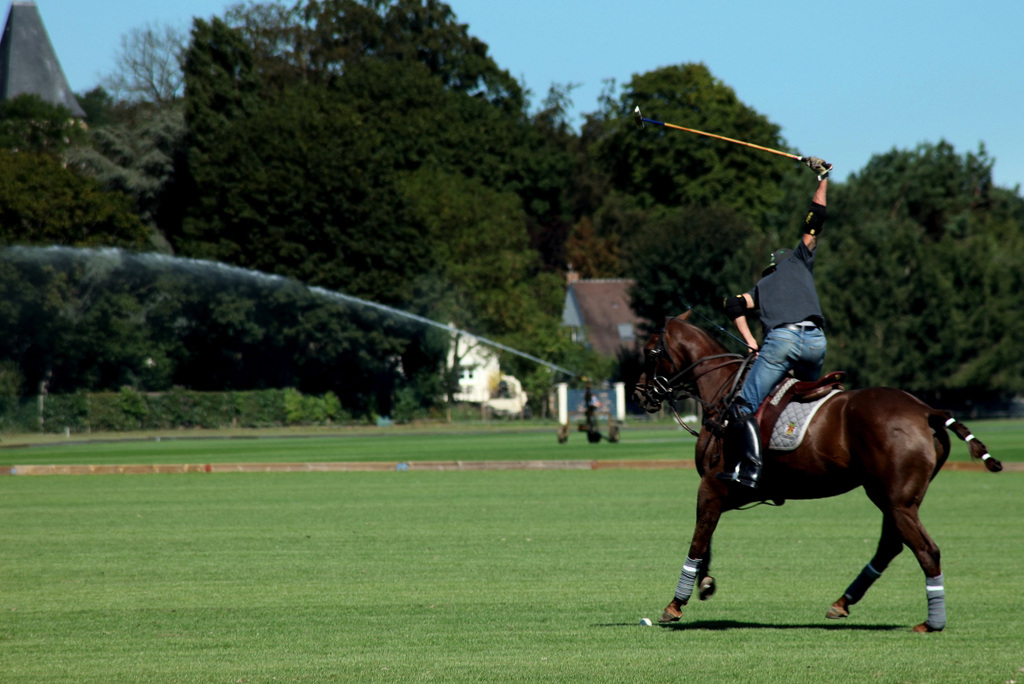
[480, 378]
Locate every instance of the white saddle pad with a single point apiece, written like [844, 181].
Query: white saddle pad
[790, 428]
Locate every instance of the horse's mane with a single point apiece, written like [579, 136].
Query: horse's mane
[713, 345]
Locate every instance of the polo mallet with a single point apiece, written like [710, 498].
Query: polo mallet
[640, 120]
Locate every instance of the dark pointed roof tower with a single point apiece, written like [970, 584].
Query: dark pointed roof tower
[28, 64]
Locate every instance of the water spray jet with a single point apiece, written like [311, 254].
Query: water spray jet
[110, 258]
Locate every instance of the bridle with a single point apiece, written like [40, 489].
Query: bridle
[682, 383]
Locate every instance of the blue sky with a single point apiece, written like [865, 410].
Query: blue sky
[845, 81]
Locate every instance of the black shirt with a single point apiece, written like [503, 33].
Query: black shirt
[788, 295]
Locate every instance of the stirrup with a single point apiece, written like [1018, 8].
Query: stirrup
[729, 475]
[735, 476]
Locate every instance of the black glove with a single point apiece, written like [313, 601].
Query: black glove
[819, 166]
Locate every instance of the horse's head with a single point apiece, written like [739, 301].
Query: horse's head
[649, 391]
[676, 358]
[662, 362]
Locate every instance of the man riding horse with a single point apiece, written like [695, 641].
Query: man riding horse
[881, 439]
[794, 339]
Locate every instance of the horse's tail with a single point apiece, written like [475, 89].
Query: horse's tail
[977, 449]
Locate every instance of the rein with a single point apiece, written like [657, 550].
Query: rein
[683, 382]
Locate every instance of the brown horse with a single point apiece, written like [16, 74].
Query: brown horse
[881, 439]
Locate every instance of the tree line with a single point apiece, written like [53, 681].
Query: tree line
[374, 147]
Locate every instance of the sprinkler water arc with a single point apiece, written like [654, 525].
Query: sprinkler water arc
[218, 268]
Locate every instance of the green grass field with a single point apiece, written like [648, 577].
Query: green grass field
[381, 445]
[479, 576]
[520, 441]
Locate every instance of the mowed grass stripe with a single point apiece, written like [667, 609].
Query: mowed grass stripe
[1005, 440]
[484, 576]
[385, 446]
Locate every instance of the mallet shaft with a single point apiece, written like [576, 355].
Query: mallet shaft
[797, 157]
[640, 120]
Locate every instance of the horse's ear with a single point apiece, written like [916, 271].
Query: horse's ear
[686, 315]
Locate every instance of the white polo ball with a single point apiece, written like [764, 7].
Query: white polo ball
[646, 622]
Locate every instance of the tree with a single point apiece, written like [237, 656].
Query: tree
[923, 275]
[220, 89]
[321, 40]
[417, 75]
[11, 383]
[306, 195]
[296, 182]
[424, 31]
[626, 177]
[29, 124]
[44, 203]
[486, 278]
[591, 255]
[307, 179]
[554, 154]
[100, 320]
[78, 324]
[98, 106]
[678, 260]
[136, 140]
[144, 159]
[148, 66]
[278, 38]
[661, 167]
[313, 144]
[481, 251]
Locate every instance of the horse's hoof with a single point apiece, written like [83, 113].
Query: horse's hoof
[707, 588]
[670, 614]
[925, 628]
[838, 610]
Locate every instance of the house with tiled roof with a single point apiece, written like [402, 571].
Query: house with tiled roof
[28, 62]
[599, 315]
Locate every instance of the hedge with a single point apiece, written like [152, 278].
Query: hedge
[129, 410]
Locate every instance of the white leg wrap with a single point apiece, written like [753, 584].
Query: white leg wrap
[936, 602]
[687, 578]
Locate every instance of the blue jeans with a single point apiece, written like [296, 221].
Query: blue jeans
[783, 350]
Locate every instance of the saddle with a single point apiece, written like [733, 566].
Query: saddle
[792, 390]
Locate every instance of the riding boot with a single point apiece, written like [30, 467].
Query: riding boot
[744, 433]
